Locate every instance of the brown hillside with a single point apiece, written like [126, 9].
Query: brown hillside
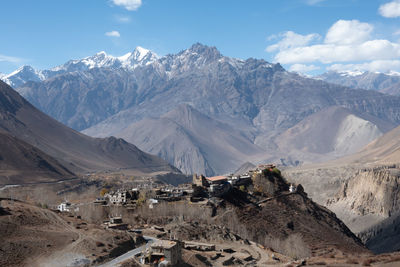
[22, 163]
[33, 236]
[74, 150]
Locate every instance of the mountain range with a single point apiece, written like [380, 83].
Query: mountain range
[208, 113]
[388, 83]
[47, 144]
[138, 57]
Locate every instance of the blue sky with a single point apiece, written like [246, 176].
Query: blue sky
[309, 36]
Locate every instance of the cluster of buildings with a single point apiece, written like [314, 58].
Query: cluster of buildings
[119, 197]
[171, 193]
[215, 186]
[220, 185]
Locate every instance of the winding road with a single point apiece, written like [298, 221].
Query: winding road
[117, 261]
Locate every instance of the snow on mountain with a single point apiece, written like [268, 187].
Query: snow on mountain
[388, 83]
[139, 57]
[393, 73]
[351, 73]
[22, 75]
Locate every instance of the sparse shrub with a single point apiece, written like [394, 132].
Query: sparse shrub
[99, 244]
[293, 246]
[103, 192]
[290, 225]
[318, 263]
[368, 262]
[199, 191]
[352, 261]
[276, 171]
[142, 199]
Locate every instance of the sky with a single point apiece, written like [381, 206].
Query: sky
[306, 36]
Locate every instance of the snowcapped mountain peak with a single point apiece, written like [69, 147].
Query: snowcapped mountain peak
[125, 57]
[140, 52]
[351, 73]
[24, 68]
[100, 59]
[139, 57]
[21, 75]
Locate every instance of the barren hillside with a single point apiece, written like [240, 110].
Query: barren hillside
[74, 150]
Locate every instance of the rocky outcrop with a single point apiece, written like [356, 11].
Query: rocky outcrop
[373, 191]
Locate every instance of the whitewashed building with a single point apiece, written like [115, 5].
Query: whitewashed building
[64, 207]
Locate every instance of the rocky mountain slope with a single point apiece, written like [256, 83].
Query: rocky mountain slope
[20, 160]
[72, 149]
[332, 131]
[245, 167]
[266, 213]
[384, 236]
[362, 189]
[382, 151]
[388, 83]
[258, 99]
[369, 203]
[192, 141]
[322, 181]
[368, 197]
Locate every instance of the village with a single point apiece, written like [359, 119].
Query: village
[164, 249]
[202, 188]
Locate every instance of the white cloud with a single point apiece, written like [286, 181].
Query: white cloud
[130, 5]
[390, 10]
[348, 32]
[291, 40]
[329, 53]
[348, 45]
[302, 68]
[373, 66]
[112, 34]
[4, 58]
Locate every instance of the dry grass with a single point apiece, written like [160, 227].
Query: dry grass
[352, 261]
[293, 246]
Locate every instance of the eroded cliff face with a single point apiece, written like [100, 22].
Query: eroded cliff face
[371, 191]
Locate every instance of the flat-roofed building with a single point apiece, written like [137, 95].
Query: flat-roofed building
[217, 179]
[167, 251]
